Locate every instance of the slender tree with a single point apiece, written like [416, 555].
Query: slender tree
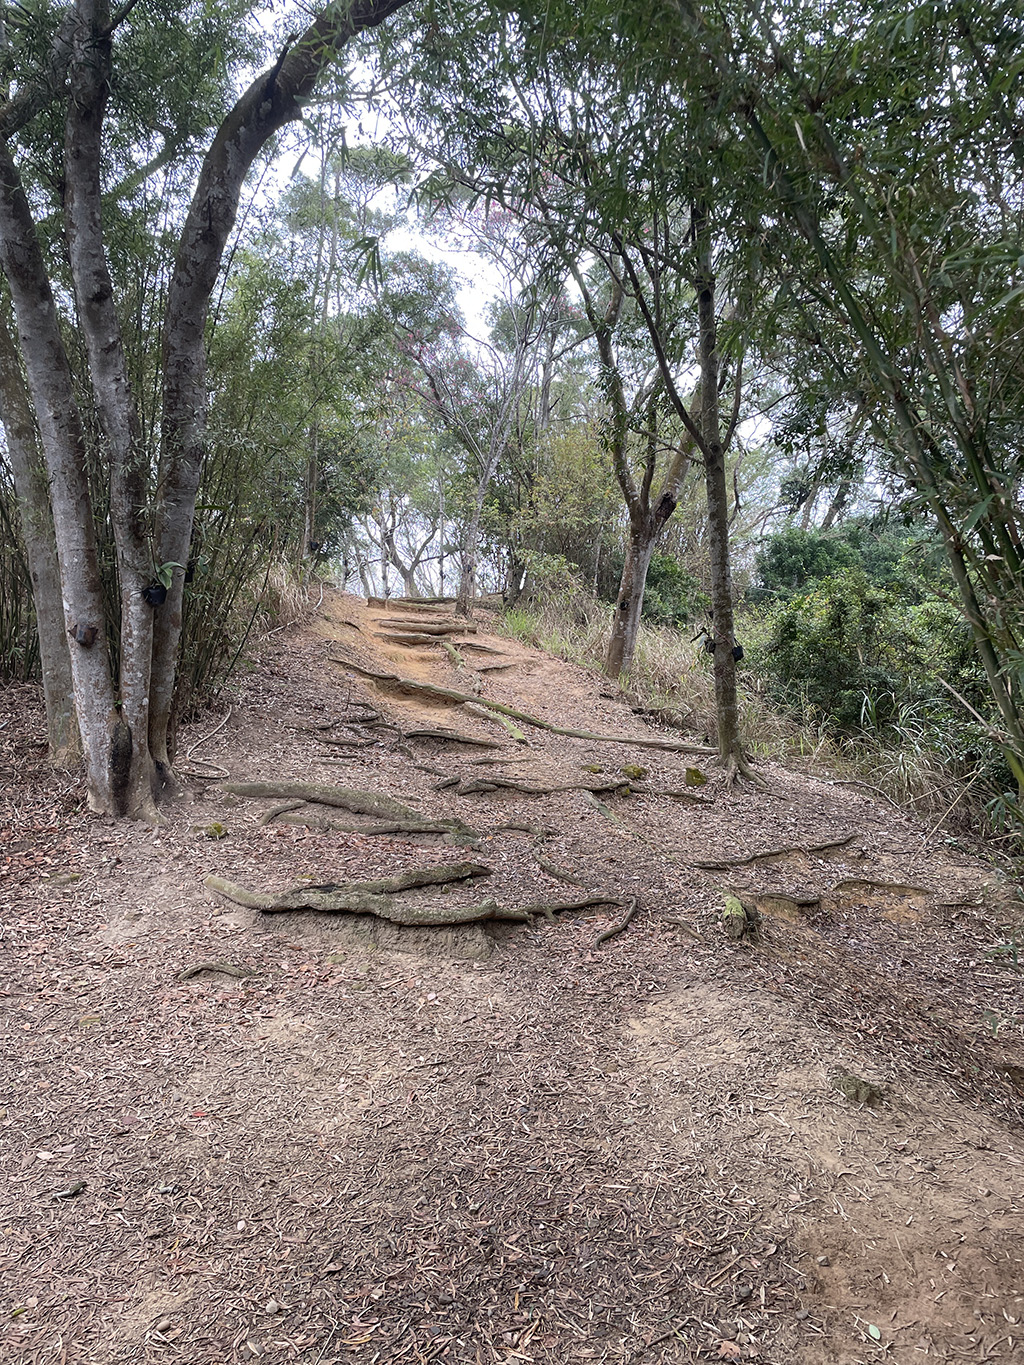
[126, 734]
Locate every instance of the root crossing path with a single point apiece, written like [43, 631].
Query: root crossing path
[277, 1089]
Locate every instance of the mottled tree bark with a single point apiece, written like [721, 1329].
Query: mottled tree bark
[64, 452]
[723, 630]
[33, 500]
[125, 741]
[115, 404]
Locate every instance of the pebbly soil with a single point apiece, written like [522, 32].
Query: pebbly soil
[497, 1143]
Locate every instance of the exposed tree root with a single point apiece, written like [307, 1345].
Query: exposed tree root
[478, 647]
[427, 604]
[270, 815]
[429, 627]
[453, 653]
[681, 924]
[482, 712]
[350, 743]
[394, 637]
[604, 810]
[449, 694]
[453, 736]
[452, 830]
[392, 815]
[737, 767]
[618, 928]
[537, 831]
[346, 798]
[562, 873]
[466, 674]
[379, 898]
[493, 783]
[720, 864]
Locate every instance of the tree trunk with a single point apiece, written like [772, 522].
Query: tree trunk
[63, 441]
[117, 747]
[115, 403]
[723, 631]
[36, 518]
[630, 601]
[274, 99]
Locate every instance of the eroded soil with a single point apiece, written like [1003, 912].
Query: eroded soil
[497, 1143]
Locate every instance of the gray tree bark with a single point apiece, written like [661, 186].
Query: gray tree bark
[36, 518]
[64, 451]
[115, 403]
[724, 631]
[126, 743]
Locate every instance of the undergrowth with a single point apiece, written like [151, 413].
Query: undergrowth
[907, 752]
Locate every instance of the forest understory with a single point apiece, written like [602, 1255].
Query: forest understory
[235, 1134]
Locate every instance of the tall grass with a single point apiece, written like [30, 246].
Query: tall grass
[914, 760]
[670, 673]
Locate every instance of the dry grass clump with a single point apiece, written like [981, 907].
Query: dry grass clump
[906, 762]
[288, 596]
[670, 671]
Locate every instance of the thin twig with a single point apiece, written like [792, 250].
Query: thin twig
[992, 734]
[216, 730]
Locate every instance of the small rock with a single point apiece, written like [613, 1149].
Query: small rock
[743, 1292]
[802, 1314]
[272, 1306]
[823, 1260]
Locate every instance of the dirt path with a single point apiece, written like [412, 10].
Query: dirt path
[497, 1144]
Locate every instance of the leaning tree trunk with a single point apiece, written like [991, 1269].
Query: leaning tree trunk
[630, 601]
[273, 100]
[36, 518]
[62, 436]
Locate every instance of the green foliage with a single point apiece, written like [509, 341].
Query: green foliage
[673, 596]
[902, 558]
[19, 645]
[835, 643]
[856, 624]
[859, 654]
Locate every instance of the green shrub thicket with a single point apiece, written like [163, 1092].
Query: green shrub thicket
[858, 632]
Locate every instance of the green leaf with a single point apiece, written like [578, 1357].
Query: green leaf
[165, 572]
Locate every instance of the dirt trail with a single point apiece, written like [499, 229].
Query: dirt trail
[498, 1144]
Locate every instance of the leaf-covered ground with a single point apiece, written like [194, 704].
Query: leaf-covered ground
[497, 1144]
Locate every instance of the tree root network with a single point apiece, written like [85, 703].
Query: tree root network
[380, 898]
[450, 695]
